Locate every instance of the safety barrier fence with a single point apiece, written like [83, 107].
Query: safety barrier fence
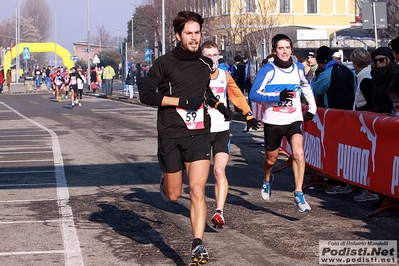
[358, 148]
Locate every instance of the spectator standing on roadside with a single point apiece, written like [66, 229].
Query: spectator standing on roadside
[100, 79]
[337, 57]
[138, 73]
[48, 78]
[38, 77]
[239, 75]
[269, 59]
[280, 85]
[382, 72]
[8, 77]
[222, 64]
[249, 73]
[130, 80]
[361, 63]
[1, 78]
[222, 84]
[363, 98]
[108, 76]
[93, 79]
[233, 67]
[360, 58]
[178, 83]
[311, 59]
[333, 84]
[393, 89]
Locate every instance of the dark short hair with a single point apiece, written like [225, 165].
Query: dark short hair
[269, 56]
[185, 16]
[208, 44]
[279, 37]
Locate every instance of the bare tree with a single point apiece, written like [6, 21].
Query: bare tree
[7, 33]
[40, 13]
[103, 38]
[248, 29]
[28, 34]
[269, 22]
[392, 31]
[393, 20]
[242, 31]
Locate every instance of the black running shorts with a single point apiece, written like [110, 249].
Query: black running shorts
[273, 134]
[220, 142]
[174, 152]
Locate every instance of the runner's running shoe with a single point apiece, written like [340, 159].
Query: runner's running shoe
[300, 202]
[199, 256]
[266, 191]
[218, 219]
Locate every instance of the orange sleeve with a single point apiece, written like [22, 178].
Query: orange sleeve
[236, 96]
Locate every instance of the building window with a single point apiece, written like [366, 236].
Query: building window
[312, 6]
[250, 6]
[285, 6]
[205, 10]
[213, 8]
[224, 7]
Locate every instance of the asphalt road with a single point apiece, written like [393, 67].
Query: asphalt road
[79, 186]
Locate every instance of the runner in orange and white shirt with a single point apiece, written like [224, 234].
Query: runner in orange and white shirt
[221, 84]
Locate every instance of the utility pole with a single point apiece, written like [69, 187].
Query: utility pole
[132, 38]
[88, 46]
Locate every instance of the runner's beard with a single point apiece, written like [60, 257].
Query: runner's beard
[187, 47]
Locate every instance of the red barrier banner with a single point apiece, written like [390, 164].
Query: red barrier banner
[358, 148]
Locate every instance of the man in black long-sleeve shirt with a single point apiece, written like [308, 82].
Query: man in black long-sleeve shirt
[177, 83]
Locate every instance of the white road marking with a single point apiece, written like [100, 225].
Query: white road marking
[24, 152]
[72, 252]
[32, 252]
[27, 161]
[30, 222]
[29, 185]
[26, 172]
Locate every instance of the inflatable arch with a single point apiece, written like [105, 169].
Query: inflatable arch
[39, 48]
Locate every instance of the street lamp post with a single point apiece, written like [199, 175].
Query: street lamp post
[88, 46]
[163, 27]
[55, 34]
[117, 30]
[18, 41]
[132, 38]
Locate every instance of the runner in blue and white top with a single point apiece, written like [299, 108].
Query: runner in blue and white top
[280, 85]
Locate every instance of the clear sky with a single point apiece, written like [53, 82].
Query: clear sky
[72, 17]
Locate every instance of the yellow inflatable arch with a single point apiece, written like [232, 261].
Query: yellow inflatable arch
[39, 48]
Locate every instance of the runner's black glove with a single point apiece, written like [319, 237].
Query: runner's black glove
[286, 95]
[253, 123]
[211, 102]
[308, 116]
[191, 102]
[228, 114]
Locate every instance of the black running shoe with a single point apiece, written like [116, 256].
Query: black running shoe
[199, 256]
